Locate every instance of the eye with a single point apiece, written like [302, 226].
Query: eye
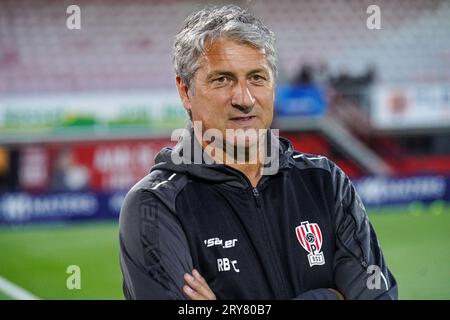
[220, 80]
[257, 78]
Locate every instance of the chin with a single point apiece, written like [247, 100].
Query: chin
[243, 142]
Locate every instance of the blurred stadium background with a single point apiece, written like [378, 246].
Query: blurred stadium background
[83, 113]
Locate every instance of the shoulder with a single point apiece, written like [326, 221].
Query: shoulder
[305, 161]
[148, 207]
[159, 187]
[338, 178]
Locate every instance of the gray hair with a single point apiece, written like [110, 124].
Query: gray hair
[214, 22]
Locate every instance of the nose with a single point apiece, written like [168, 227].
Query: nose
[242, 98]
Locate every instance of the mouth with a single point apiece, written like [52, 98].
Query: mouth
[243, 120]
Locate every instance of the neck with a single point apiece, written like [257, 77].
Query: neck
[251, 171]
[250, 167]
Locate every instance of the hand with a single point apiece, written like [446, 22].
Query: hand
[196, 287]
[338, 294]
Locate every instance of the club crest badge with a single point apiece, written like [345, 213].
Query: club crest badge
[310, 237]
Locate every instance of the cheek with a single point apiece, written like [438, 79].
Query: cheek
[266, 100]
[267, 107]
[210, 107]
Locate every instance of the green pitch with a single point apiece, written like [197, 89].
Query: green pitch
[415, 240]
[36, 259]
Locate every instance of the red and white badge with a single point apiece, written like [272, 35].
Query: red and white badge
[310, 237]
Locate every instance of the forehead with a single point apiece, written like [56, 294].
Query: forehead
[226, 54]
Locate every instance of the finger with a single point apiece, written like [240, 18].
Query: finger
[192, 294]
[198, 277]
[198, 286]
[207, 290]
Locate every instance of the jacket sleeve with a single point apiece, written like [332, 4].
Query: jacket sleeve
[317, 294]
[154, 253]
[360, 270]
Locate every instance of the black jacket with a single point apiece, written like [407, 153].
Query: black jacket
[300, 231]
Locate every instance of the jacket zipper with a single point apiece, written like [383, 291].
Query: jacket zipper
[275, 264]
[256, 196]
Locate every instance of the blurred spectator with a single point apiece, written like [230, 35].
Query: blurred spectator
[355, 87]
[305, 76]
[67, 174]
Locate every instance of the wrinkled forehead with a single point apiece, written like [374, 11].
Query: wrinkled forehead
[227, 53]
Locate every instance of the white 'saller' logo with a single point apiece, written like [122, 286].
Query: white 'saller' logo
[310, 237]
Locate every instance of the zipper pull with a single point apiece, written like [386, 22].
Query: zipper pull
[257, 197]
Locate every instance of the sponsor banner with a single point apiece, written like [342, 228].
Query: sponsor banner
[380, 191]
[105, 166]
[81, 166]
[87, 115]
[22, 207]
[34, 168]
[411, 107]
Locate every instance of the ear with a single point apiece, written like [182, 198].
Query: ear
[183, 91]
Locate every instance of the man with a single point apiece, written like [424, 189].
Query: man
[286, 226]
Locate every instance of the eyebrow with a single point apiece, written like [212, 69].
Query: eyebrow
[219, 73]
[231, 74]
[258, 71]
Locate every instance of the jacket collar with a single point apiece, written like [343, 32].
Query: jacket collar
[187, 157]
